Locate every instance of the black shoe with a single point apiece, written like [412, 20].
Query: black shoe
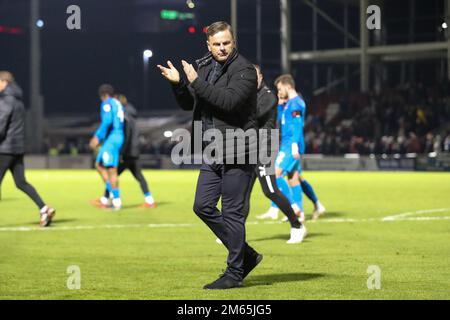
[224, 282]
[250, 262]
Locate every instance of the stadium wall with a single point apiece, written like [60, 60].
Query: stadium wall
[349, 162]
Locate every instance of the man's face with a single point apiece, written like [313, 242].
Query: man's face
[103, 97]
[221, 45]
[3, 85]
[282, 91]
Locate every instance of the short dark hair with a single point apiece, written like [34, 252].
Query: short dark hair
[285, 79]
[6, 76]
[217, 27]
[106, 89]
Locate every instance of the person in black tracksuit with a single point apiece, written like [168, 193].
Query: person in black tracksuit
[222, 95]
[12, 142]
[130, 154]
[267, 120]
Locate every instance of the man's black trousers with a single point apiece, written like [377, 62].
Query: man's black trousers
[14, 163]
[231, 183]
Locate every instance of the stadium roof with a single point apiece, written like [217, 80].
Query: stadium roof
[401, 52]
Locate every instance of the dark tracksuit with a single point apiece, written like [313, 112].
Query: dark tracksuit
[267, 118]
[12, 140]
[224, 97]
[130, 150]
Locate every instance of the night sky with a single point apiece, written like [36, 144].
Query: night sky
[114, 33]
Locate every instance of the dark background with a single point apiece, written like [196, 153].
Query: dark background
[109, 46]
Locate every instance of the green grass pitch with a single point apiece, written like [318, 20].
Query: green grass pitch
[168, 253]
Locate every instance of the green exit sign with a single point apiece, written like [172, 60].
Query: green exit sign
[176, 15]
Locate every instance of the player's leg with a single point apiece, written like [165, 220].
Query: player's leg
[270, 189]
[18, 171]
[319, 209]
[104, 201]
[5, 163]
[136, 170]
[123, 165]
[297, 193]
[107, 165]
[280, 163]
[287, 166]
[114, 180]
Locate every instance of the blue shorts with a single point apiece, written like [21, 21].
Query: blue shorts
[109, 154]
[287, 162]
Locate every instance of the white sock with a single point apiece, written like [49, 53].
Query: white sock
[44, 209]
[149, 200]
[273, 211]
[104, 200]
[117, 203]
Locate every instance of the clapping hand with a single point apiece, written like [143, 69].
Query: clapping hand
[190, 72]
[170, 73]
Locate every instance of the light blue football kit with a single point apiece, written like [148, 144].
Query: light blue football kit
[110, 133]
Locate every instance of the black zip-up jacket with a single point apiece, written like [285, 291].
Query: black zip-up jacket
[12, 120]
[130, 147]
[230, 100]
[267, 108]
[267, 119]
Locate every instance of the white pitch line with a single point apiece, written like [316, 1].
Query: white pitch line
[184, 225]
[106, 226]
[406, 214]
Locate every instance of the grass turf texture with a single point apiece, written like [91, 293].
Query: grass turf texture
[132, 260]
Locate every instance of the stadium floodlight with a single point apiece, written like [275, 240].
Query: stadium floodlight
[168, 134]
[148, 54]
[40, 23]
[190, 4]
[444, 25]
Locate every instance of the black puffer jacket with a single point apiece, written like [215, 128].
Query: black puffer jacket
[231, 99]
[267, 108]
[130, 147]
[267, 118]
[12, 120]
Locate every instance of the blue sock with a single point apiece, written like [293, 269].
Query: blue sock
[108, 189]
[116, 193]
[309, 191]
[273, 205]
[297, 195]
[285, 189]
[148, 194]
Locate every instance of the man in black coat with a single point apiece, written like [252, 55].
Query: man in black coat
[12, 142]
[267, 120]
[222, 95]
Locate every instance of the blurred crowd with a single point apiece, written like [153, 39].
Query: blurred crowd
[407, 119]
[75, 146]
